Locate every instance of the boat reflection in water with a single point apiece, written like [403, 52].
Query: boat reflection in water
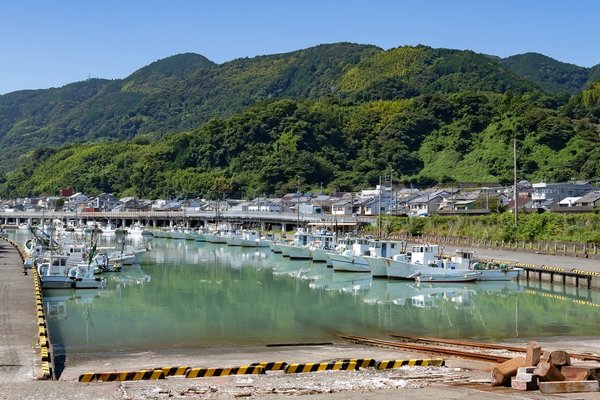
[56, 302]
[189, 294]
[428, 295]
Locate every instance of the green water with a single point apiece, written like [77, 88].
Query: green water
[187, 294]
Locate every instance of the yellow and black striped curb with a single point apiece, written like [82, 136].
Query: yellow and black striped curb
[523, 265]
[209, 372]
[557, 269]
[316, 367]
[583, 272]
[271, 365]
[550, 268]
[122, 376]
[44, 342]
[361, 362]
[427, 362]
[172, 371]
[46, 370]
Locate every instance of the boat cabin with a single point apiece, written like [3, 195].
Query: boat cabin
[424, 254]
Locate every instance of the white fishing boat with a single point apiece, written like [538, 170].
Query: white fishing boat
[234, 238]
[275, 246]
[354, 259]
[427, 262]
[320, 243]
[298, 249]
[55, 273]
[383, 251]
[253, 238]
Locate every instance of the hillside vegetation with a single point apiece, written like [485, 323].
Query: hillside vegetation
[337, 115]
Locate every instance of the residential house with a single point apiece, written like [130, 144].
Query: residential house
[103, 202]
[342, 207]
[548, 195]
[426, 203]
[77, 200]
[591, 199]
[568, 202]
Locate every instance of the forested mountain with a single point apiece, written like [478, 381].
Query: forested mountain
[338, 115]
[182, 92]
[551, 75]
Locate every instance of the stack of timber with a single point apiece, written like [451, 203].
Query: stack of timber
[548, 371]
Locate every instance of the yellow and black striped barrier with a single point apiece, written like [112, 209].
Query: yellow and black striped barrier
[271, 365]
[173, 371]
[316, 367]
[523, 265]
[46, 370]
[362, 362]
[427, 362]
[583, 272]
[210, 372]
[45, 354]
[550, 268]
[122, 376]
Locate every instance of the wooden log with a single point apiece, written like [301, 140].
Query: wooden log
[533, 354]
[502, 372]
[545, 356]
[575, 373]
[569, 386]
[560, 358]
[523, 384]
[547, 371]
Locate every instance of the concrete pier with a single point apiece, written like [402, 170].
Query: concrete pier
[18, 329]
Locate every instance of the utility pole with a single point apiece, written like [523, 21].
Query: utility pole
[379, 210]
[298, 207]
[392, 190]
[515, 190]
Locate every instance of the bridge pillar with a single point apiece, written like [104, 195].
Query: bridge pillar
[123, 223]
[154, 223]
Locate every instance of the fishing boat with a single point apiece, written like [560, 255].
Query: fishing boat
[55, 273]
[298, 249]
[447, 277]
[354, 259]
[320, 243]
[253, 238]
[427, 262]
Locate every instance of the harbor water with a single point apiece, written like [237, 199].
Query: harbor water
[188, 294]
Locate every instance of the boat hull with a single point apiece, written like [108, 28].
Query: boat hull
[345, 263]
[64, 282]
[378, 266]
[447, 277]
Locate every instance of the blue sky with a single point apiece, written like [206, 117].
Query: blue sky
[51, 43]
